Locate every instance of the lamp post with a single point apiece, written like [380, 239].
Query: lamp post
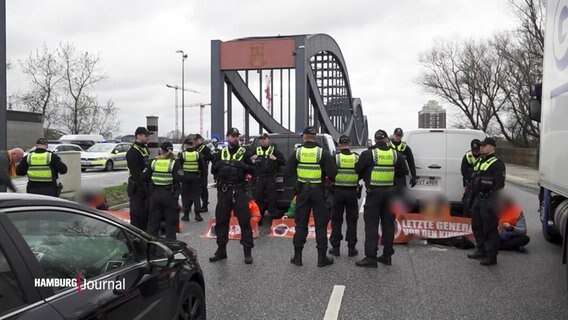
[183, 57]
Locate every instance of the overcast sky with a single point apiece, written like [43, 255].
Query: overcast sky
[137, 40]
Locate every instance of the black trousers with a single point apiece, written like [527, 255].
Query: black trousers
[345, 200]
[232, 199]
[308, 198]
[49, 189]
[191, 192]
[514, 242]
[163, 206]
[377, 212]
[265, 193]
[204, 190]
[466, 203]
[139, 209]
[484, 224]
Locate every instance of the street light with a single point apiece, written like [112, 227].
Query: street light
[183, 57]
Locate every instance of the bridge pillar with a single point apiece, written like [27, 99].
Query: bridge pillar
[217, 93]
[301, 86]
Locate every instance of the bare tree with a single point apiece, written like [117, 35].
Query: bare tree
[80, 73]
[44, 72]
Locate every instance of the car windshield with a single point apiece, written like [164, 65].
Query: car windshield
[101, 148]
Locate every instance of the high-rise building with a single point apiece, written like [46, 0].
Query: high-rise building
[432, 115]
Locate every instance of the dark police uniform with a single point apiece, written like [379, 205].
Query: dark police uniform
[43, 168]
[377, 166]
[402, 171]
[193, 167]
[488, 178]
[265, 178]
[231, 169]
[137, 158]
[311, 164]
[207, 157]
[467, 164]
[164, 174]
[345, 199]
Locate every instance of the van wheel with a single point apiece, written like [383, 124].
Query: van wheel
[83, 169]
[192, 302]
[109, 166]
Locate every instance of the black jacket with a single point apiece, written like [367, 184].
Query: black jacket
[57, 167]
[202, 167]
[496, 172]
[5, 179]
[232, 171]
[205, 153]
[365, 165]
[327, 163]
[265, 166]
[407, 154]
[136, 165]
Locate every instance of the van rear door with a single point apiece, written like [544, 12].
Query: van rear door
[429, 150]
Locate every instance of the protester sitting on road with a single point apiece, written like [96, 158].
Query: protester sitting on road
[8, 161]
[512, 225]
[94, 199]
[440, 207]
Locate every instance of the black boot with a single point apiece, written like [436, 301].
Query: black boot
[367, 263]
[185, 215]
[352, 252]
[478, 254]
[334, 251]
[324, 260]
[198, 216]
[488, 261]
[248, 255]
[297, 259]
[220, 254]
[385, 259]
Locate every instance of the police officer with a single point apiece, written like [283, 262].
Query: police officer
[205, 153]
[231, 169]
[137, 158]
[311, 164]
[43, 167]
[468, 161]
[488, 178]
[345, 199]
[401, 173]
[377, 166]
[164, 174]
[267, 162]
[193, 167]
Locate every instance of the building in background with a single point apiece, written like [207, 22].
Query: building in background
[432, 115]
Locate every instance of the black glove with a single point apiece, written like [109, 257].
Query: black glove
[412, 182]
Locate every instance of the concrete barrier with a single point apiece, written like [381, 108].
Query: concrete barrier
[71, 181]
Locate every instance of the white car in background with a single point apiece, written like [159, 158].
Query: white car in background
[58, 148]
[106, 156]
[438, 155]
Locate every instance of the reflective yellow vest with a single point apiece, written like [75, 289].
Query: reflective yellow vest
[238, 156]
[483, 165]
[383, 171]
[162, 172]
[471, 159]
[39, 169]
[190, 161]
[262, 153]
[309, 169]
[400, 148]
[346, 175]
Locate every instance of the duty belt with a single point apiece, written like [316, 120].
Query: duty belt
[225, 187]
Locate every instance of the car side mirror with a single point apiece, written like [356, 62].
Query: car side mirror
[158, 255]
[535, 102]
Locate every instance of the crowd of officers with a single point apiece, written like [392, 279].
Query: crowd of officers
[153, 189]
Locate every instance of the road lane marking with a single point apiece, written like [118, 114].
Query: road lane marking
[332, 312]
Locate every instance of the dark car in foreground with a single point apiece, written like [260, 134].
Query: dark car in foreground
[287, 144]
[62, 260]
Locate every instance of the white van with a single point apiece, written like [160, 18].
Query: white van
[85, 141]
[438, 154]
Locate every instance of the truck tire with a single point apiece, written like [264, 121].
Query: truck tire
[553, 235]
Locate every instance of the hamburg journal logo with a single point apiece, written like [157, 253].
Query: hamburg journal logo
[80, 283]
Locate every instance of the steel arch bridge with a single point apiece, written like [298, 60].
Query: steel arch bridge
[318, 87]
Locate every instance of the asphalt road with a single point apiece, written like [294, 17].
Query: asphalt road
[91, 178]
[424, 282]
